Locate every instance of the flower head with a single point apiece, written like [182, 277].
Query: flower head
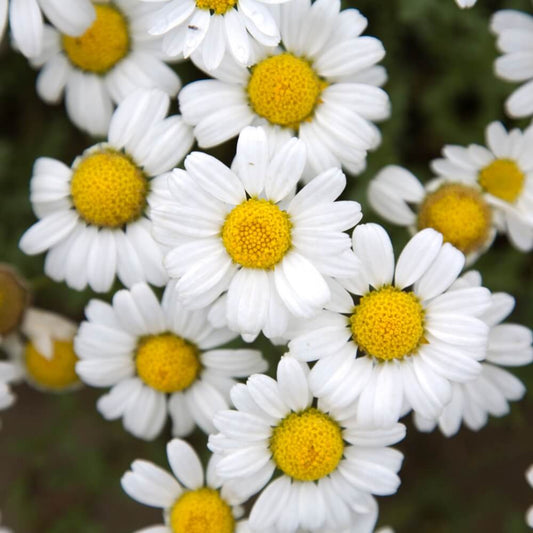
[321, 84]
[398, 337]
[97, 70]
[502, 173]
[94, 215]
[321, 453]
[190, 504]
[456, 210]
[160, 360]
[244, 236]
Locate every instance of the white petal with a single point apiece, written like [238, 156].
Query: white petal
[48, 232]
[185, 464]
[215, 177]
[293, 384]
[285, 170]
[416, 257]
[248, 300]
[26, 24]
[252, 159]
[237, 36]
[300, 286]
[150, 485]
[441, 273]
[373, 247]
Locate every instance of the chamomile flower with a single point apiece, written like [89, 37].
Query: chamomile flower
[399, 338]
[160, 360]
[503, 172]
[214, 27]
[321, 84]
[489, 394]
[329, 465]
[514, 30]
[93, 215]
[529, 514]
[27, 24]
[243, 234]
[456, 210]
[42, 351]
[190, 503]
[98, 69]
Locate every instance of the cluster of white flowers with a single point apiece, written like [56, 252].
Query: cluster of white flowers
[263, 246]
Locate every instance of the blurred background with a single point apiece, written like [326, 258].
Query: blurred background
[60, 461]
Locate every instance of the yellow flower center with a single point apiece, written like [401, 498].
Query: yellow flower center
[388, 323]
[458, 212]
[503, 179]
[285, 90]
[167, 363]
[257, 234]
[56, 373]
[308, 445]
[201, 511]
[103, 45]
[13, 300]
[219, 7]
[108, 189]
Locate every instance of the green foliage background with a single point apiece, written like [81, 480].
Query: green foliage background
[60, 462]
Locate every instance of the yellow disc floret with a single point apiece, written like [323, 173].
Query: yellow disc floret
[219, 7]
[307, 445]
[201, 511]
[167, 363]
[108, 189]
[103, 45]
[257, 234]
[388, 323]
[503, 179]
[55, 373]
[284, 89]
[13, 300]
[458, 212]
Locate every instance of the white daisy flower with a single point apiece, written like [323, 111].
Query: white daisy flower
[463, 4]
[27, 24]
[42, 352]
[93, 216]
[456, 210]
[190, 503]
[321, 85]
[159, 359]
[329, 465]
[489, 394]
[399, 338]
[212, 27]
[98, 69]
[514, 30]
[503, 172]
[243, 234]
[529, 514]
